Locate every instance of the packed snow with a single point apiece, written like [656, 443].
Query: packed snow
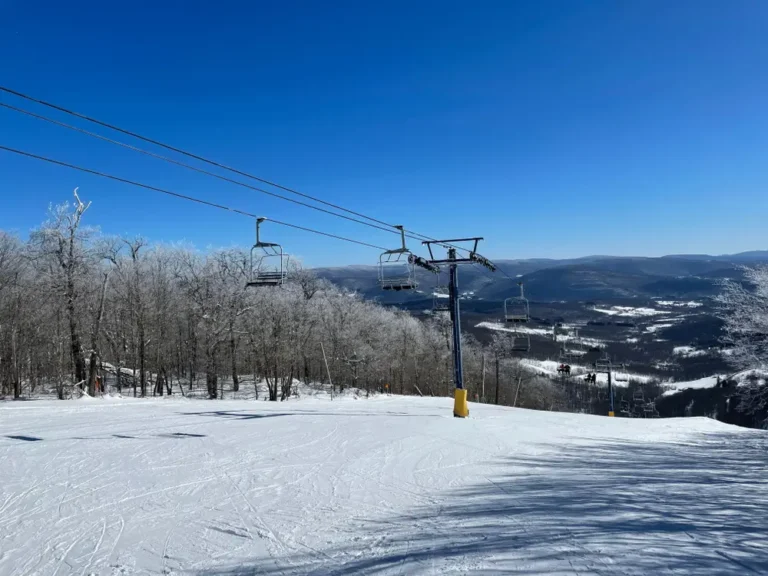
[498, 326]
[629, 311]
[688, 351]
[677, 304]
[707, 382]
[549, 368]
[656, 327]
[757, 376]
[546, 332]
[390, 485]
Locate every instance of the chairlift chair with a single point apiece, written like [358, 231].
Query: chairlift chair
[603, 365]
[567, 355]
[576, 351]
[397, 270]
[521, 342]
[441, 301]
[624, 408]
[516, 309]
[268, 263]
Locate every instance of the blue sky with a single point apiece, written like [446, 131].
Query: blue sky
[553, 129]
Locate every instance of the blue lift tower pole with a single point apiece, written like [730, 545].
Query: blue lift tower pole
[460, 407]
[453, 292]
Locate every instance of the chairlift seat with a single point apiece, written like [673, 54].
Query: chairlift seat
[517, 309]
[521, 343]
[271, 278]
[441, 301]
[398, 284]
[268, 263]
[396, 271]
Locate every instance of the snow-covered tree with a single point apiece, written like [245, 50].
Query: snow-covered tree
[745, 316]
[75, 306]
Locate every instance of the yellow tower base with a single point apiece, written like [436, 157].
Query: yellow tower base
[460, 408]
[610, 413]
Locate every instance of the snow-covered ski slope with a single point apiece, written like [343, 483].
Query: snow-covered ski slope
[390, 485]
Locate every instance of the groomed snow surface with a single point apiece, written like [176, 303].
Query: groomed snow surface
[390, 485]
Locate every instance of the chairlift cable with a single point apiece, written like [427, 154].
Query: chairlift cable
[412, 235]
[182, 196]
[189, 166]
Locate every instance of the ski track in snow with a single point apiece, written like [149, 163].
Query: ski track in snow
[387, 486]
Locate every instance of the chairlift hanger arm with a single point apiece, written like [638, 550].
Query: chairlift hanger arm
[426, 264]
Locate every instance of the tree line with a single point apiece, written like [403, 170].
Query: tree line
[76, 304]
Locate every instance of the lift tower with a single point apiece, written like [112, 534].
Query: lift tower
[460, 408]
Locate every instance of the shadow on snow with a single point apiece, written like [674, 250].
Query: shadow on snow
[248, 415]
[699, 508]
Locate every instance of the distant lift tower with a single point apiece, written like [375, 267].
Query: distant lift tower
[460, 407]
[604, 366]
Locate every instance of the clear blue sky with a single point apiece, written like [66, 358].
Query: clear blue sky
[554, 129]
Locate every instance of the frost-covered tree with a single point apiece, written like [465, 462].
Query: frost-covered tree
[745, 323]
[60, 248]
[75, 307]
[745, 317]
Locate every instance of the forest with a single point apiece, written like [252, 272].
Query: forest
[79, 308]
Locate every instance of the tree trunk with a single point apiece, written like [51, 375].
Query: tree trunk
[211, 378]
[233, 355]
[142, 359]
[76, 346]
[168, 381]
[92, 370]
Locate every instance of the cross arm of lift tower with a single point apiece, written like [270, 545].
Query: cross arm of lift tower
[472, 258]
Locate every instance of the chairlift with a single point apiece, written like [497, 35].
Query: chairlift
[576, 351]
[441, 301]
[268, 264]
[516, 309]
[624, 408]
[650, 410]
[567, 355]
[397, 270]
[521, 342]
[603, 364]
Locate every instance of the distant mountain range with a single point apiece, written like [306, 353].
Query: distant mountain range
[579, 279]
